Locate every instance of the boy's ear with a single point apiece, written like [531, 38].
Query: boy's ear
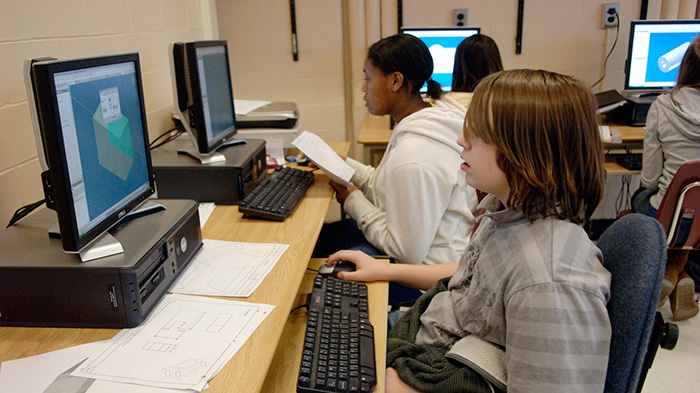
[396, 81]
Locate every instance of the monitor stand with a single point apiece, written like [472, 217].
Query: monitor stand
[212, 157]
[106, 244]
[204, 159]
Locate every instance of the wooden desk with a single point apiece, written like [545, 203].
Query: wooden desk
[375, 134]
[613, 168]
[627, 134]
[247, 370]
[282, 377]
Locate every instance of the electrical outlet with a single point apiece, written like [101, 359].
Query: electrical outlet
[460, 16]
[611, 15]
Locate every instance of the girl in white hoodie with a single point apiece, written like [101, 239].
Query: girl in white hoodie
[412, 205]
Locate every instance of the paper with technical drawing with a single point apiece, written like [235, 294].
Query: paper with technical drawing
[21, 375]
[183, 343]
[233, 269]
[318, 151]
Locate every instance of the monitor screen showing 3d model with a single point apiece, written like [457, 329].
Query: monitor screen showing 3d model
[655, 51]
[95, 142]
[442, 43]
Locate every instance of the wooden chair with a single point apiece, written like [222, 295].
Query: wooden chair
[680, 203]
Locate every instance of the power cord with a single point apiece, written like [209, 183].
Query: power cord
[305, 305]
[24, 211]
[605, 64]
[168, 136]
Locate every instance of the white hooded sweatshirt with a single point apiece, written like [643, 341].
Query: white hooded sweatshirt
[415, 205]
[672, 138]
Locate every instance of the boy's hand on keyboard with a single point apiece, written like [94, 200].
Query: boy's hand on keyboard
[341, 192]
[367, 269]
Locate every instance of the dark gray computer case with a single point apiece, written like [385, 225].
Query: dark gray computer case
[225, 183]
[41, 285]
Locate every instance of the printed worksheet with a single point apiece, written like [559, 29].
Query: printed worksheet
[50, 373]
[181, 345]
[232, 269]
[318, 151]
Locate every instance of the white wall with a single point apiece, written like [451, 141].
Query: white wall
[262, 68]
[563, 36]
[80, 28]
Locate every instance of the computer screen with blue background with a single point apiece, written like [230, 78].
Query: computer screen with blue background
[100, 112]
[655, 52]
[442, 43]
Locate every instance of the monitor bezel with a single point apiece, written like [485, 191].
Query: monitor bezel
[442, 28]
[404, 29]
[56, 180]
[628, 62]
[204, 144]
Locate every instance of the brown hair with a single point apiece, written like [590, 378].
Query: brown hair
[476, 56]
[689, 70]
[545, 129]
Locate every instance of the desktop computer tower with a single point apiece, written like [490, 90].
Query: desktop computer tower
[179, 176]
[44, 286]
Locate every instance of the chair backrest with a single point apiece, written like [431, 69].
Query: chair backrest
[634, 252]
[682, 201]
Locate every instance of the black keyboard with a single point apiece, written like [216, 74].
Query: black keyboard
[278, 195]
[633, 161]
[338, 351]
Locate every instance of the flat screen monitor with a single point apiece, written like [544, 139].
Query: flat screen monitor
[203, 95]
[95, 140]
[442, 42]
[655, 51]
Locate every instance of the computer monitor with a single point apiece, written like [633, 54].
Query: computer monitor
[442, 42]
[94, 139]
[203, 96]
[656, 48]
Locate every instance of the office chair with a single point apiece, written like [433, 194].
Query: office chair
[634, 252]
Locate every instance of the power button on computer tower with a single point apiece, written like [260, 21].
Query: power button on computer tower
[183, 244]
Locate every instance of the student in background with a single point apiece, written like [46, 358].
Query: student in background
[412, 206]
[531, 282]
[672, 138]
[476, 57]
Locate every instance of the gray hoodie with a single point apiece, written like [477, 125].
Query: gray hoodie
[672, 138]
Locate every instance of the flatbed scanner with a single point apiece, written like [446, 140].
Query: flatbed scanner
[274, 121]
[272, 115]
